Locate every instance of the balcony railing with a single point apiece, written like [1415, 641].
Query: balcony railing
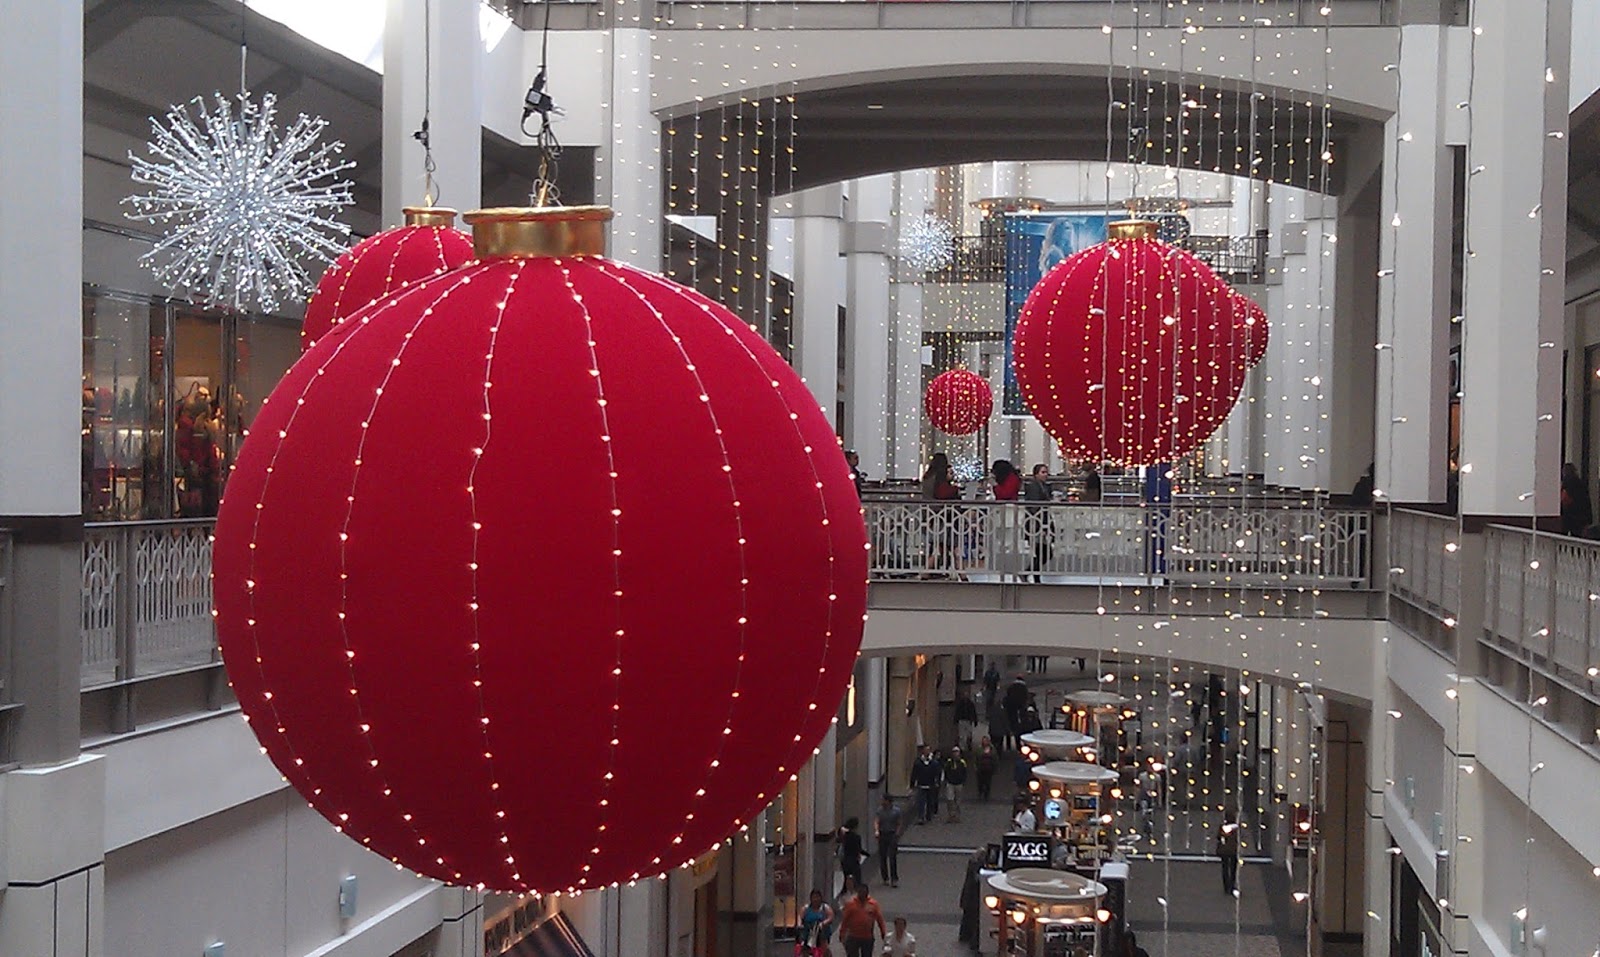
[1540, 598]
[146, 600]
[1239, 259]
[1060, 543]
[1425, 555]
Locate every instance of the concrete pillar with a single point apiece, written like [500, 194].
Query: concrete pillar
[867, 245]
[628, 165]
[1275, 366]
[1416, 235]
[1353, 372]
[461, 925]
[875, 700]
[41, 370]
[456, 87]
[1516, 242]
[1297, 438]
[1343, 822]
[744, 871]
[54, 863]
[819, 291]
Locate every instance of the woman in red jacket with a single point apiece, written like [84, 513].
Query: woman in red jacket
[1007, 481]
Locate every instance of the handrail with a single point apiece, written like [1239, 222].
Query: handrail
[146, 600]
[1065, 543]
[1540, 598]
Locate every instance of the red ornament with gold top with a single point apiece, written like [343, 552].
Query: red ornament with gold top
[382, 264]
[1126, 352]
[544, 573]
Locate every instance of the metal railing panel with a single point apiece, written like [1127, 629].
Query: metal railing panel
[1063, 543]
[146, 600]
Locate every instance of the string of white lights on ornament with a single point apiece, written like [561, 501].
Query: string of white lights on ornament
[619, 633]
[250, 621]
[795, 753]
[622, 281]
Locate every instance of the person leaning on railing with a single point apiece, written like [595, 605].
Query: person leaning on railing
[1041, 525]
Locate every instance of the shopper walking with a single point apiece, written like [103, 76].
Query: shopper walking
[850, 850]
[985, 765]
[1131, 948]
[860, 917]
[1228, 850]
[816, 926]
[856, 475]
[900, 943]
[925, 784]
[1091, 484]
[938, 786]
[966, 718]
[991, 685]
[888, 824]
[955, 780]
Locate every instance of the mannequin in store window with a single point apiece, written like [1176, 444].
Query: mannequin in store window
[199, 454]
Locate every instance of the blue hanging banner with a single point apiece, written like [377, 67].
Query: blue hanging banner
[1035, 243]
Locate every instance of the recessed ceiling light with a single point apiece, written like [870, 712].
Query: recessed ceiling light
[874, 106]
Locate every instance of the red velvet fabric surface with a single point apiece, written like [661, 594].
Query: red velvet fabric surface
[958, 402]
[540, 574]
[1129, 352]
[378, 266]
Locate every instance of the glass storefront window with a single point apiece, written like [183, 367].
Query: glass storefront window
[124, 387]
[168, 391]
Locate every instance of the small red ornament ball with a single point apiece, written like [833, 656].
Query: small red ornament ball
[382, 264]
[958, 402]
[541, 574]
[1125, 352]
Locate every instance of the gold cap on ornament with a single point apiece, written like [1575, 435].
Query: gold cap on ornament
[1132, 229]
[529, 232]
[429, 216]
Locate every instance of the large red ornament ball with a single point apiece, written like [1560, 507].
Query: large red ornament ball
[958, 402]
[381, 264]
[541, 574]
[1125, 351]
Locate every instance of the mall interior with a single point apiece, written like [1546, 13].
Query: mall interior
[1321, 676]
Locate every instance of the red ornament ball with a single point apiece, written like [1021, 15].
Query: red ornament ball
[958, 402]
[383, 263]
[1125, 352]
[541, 574]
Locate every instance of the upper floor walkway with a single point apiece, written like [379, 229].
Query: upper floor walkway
[1290, 587]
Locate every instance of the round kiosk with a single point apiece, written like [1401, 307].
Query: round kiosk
[1057, 744]
[1046, 911]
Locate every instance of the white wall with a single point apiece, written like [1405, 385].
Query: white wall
[264, 878]
[1585, 40]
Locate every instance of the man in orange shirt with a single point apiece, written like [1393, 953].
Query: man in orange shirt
[857, 921]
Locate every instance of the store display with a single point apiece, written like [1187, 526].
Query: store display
[243, 204]
[384, 263]
[1125, 351]
[642, 656]
[958, 402]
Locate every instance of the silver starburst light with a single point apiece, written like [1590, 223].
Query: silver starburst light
[927, 244]
[243, 206]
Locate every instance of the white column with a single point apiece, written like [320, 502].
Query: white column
[628, 166]
[1412, 415]
[906, 354]
[875, 701]
[456, 121]
[1353, 373]
[867, 271]
[1516, 202]
[819, 291]
[54, 865]
[1279, 360]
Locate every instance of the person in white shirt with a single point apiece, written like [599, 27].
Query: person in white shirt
[900, 943]
[1025, 821]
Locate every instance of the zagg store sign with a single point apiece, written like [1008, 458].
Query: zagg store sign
[1024, 850]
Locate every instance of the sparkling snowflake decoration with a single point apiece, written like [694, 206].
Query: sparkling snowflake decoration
[243, 206]
[927, 244]
[968, 470]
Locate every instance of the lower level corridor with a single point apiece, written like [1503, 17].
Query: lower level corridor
[1175, 905]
